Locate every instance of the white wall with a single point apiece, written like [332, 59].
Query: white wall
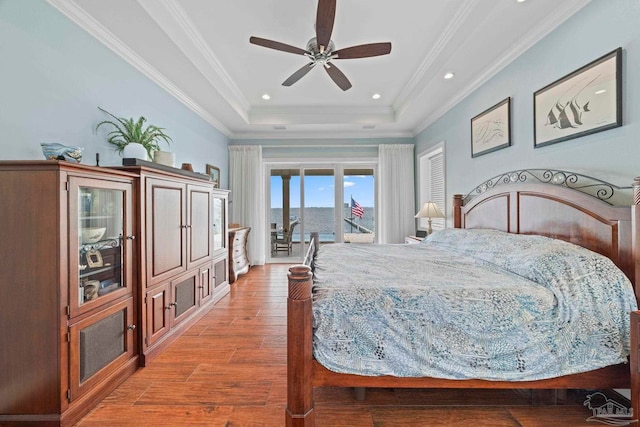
[53, 76]
[599, 28]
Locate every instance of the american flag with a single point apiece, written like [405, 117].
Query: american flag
[356, 209]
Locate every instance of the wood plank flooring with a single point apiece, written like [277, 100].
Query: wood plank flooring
[229, 370]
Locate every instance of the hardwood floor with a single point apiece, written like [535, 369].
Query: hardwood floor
[229, 370]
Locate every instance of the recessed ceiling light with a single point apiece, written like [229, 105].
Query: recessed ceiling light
[375, 96]
[601, 91]
[449, 75]
[266, 96]
[521, 1]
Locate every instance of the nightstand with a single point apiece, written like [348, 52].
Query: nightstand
[413, 239]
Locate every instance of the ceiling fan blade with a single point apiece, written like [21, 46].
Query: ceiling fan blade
[324, 22]
[338, 77]
[276, 45]
[362, 51]
[298, 74]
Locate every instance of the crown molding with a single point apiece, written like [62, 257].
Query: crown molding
[77, 15]
[323, 134]
[408, 93]
[176, 24]
[564, 11]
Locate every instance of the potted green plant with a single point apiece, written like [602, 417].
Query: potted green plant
[132, 138]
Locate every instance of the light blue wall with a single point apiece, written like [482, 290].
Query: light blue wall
[599, 28]
[53, 75]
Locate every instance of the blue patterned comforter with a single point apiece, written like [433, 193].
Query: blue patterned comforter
[471, 304]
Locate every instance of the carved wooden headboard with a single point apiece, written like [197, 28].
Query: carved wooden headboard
[562, 205]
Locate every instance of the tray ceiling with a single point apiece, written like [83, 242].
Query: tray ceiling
[199, 51]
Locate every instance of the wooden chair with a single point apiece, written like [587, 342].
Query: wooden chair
[284, 243]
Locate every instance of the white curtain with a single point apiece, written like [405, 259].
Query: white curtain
[247, 195]
[396, 196]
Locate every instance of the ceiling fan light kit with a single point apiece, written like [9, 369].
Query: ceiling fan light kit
[321, 49]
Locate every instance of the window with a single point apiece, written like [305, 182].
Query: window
[431, 176]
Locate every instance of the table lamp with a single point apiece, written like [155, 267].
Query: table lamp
[430, 210]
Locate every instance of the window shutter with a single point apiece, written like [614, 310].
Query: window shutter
[436, 163]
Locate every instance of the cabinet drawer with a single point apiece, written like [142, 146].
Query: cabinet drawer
[240, 264]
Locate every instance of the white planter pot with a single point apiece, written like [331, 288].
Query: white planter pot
[134, 151]
[166, 158]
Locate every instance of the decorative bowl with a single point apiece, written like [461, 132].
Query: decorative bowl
[55, 151]
[91, 234]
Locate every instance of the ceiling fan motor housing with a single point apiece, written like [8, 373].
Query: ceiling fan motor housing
[316, 55]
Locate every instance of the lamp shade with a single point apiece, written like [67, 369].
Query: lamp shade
[430, 210]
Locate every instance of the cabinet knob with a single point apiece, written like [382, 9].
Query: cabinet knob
[168, 307]
[131, 237]
[174, 304]
[131, 327]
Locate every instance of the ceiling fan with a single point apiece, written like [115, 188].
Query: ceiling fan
[320, 49]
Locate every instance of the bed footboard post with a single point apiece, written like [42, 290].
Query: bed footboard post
[457, 213]
[299, 412]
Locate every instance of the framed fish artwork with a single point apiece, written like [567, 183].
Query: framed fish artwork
[587, 101]
[491, 129]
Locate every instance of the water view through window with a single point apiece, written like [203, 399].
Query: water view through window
[290, 220]
[358, 206]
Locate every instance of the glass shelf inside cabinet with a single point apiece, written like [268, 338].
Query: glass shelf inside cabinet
[100, 242]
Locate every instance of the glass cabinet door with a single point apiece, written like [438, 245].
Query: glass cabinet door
[219, 233]
[100, 222]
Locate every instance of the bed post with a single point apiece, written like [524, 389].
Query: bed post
[299, 412]
[457, 213]
[634, 363]
[634, 359]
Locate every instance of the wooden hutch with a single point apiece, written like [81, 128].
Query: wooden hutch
[100, 268]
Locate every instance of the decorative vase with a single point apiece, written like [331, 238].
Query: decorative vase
[166, 158]
[133, 150]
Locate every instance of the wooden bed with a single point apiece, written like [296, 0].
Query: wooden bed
[543, 202]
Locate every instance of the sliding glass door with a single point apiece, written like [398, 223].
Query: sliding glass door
[359, 223]
[285, 213]
[319, 204]
[336, 201]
